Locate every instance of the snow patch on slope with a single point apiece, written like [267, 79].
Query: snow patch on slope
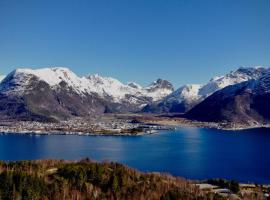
[262, 85]
[2, 77]
[185, 93]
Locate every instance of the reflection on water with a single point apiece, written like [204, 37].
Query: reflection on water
[189, 152]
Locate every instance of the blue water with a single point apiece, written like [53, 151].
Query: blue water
[193, 153]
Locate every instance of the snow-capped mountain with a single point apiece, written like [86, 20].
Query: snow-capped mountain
[74, 95]
[58, 93]
[187, 96]
[245, 103]
[180, 99]
[240, 75]
[103, 86]
[158, 89]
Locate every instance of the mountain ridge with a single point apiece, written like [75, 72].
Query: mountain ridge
[53, 94]
[64, 94]
[242, 103]
[187, 96]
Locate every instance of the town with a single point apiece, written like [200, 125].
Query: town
[103, 125]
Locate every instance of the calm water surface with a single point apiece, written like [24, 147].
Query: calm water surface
[193, 153]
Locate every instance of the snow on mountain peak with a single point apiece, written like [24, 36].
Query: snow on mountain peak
[109, 86]
[103, 86]
[97, 79]
[262, 85]
[52, 76]
[134, 85]
[160, 83]
[189, 94]
[2, 77]
[159, 89]
[118, 90]
[240, 75]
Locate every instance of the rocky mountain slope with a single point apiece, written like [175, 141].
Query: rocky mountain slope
[178, 101]
[58, 93]
[52, 94]
[244, 103]
[187, 96]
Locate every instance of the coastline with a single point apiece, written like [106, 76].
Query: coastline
[183, 122]
[38, 133]
[144, 125]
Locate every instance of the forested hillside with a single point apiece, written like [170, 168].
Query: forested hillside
[53, 179]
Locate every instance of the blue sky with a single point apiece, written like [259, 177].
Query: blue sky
[184, 41]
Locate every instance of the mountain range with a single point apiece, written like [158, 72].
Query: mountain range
[187, 96]
[58, 93]
[52, 94]
[242, 103]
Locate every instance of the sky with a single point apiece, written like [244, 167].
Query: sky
[183, 41]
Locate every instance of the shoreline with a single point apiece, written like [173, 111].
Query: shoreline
[183, 122]
[71, 133]
[129, 133]
[117, 125]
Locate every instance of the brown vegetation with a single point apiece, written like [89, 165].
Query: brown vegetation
[54, 179]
